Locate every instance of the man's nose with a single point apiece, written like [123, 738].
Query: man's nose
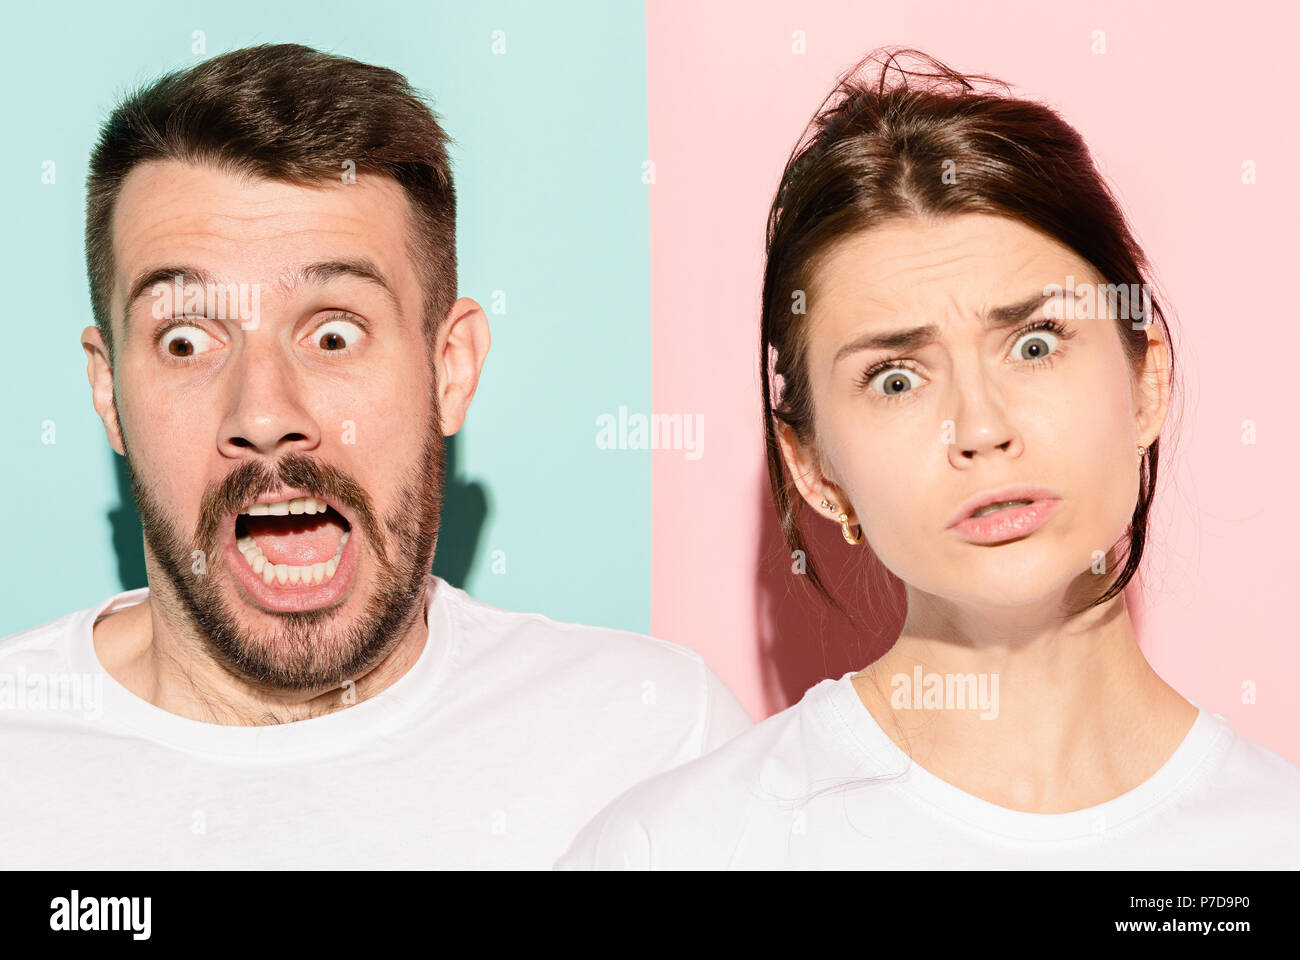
[268, 410]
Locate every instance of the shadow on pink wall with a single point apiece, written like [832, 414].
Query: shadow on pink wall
[802, 639]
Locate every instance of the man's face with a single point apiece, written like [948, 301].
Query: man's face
[325, 389]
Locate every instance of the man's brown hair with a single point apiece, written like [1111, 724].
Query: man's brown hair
[289, 113]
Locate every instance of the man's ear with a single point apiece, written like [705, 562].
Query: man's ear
[462, 346]
[1151, 395]
[809, 479]
[100, 373]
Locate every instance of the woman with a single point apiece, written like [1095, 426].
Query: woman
[970, 378]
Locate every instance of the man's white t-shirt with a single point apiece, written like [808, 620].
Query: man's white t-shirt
[509, 733]
[1219, 801]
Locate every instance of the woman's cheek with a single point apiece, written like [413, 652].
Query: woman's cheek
[1104, 457]
[892, 524]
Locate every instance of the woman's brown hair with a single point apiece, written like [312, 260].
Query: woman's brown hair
[877, 150]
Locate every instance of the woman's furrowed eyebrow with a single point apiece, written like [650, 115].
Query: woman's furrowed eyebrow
[914, 337]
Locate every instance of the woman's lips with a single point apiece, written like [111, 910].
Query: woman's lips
[1007, 523]
[1012, 491]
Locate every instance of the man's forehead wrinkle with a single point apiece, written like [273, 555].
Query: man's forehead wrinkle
[218, 227]
[203, 239]
[171, 226]
[165, 212]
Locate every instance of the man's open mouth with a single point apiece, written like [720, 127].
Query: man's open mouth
[293, 542]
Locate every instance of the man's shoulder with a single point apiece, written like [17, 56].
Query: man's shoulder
[772, 756]
[52, 638]
[486, 628]
[602, 679]
[695, 813]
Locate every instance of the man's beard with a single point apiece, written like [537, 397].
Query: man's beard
[312, 649]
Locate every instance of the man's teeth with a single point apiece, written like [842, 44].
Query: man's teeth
[286, 507]
[286, 573]
[985, 511]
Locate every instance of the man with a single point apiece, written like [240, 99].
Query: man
[278, 352]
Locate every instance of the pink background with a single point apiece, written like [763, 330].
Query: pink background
[1171, 111]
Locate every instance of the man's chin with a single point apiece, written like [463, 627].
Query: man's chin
[313, 650]
[307, 650]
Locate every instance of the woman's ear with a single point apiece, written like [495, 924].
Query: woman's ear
[1151, 394]
[813, 485]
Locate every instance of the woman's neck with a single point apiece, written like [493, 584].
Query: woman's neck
[1026, 710]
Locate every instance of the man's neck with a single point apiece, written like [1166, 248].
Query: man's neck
[138, 651]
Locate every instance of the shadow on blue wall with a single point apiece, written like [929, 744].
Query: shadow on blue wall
[464, 511]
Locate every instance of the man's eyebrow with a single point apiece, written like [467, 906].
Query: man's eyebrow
[316, 273]
[914, 337]
[323, 271]
[148, 280]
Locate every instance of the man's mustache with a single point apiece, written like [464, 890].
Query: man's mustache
[250, 480]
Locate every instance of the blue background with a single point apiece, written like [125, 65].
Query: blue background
[549, 144]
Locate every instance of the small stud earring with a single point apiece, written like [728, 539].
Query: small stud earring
[1142, 451]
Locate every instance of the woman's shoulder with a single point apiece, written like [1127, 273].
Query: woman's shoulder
[1254, 772]
[1241, 802]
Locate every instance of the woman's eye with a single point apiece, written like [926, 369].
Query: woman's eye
[1034, 345]
[337, 335]
[186, 340]
[894, 381]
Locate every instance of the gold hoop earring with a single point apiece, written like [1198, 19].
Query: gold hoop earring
[844, 524]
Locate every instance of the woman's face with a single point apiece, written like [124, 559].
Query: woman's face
[905, 435]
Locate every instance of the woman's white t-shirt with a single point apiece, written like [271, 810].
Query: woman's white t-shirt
[791, 792]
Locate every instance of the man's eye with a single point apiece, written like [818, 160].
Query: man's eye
[337, 335]
[186, 340]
